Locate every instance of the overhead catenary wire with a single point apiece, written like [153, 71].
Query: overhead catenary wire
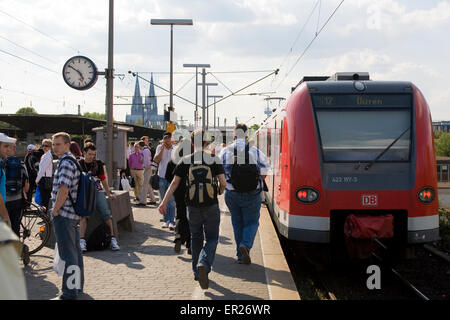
[37, 30]
[26, 49]
[251, 84]
[135, 74]
[220, 82]
[184, 85]
[28, 61]
[299, 34]
[310, 43]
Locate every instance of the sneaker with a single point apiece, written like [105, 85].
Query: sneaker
[171, 226]
[245, 255]
[165, 225]
[83, 245]
[203, 276]
[114, 245]
[177, 247]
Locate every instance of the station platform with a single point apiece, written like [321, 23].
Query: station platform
[147, 268]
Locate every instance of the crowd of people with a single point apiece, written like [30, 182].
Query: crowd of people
[188, 192]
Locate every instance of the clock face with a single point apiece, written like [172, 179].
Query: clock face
[80, 73]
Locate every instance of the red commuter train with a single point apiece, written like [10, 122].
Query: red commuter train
[345, 145]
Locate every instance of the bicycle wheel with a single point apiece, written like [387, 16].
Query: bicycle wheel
[35, 228]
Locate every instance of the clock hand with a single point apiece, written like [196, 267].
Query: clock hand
[81, 75]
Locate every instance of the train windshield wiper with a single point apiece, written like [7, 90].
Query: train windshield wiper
[385, 150]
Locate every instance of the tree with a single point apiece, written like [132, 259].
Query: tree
[442, 145]
[95, 115]
[26, 111]
[255, 127]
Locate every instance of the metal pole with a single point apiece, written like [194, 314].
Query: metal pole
[171, 68]
[109, 85]
[214, 113]
[207, 107]
[196, 98]
[203, 98]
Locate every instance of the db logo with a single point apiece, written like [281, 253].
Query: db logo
[369, 200]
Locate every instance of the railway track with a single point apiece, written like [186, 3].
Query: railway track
[386, 265]
[318, 281]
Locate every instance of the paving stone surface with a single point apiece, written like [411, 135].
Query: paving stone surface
[147, 267]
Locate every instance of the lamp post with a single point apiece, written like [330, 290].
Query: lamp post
[215, 97]
[207, 85]
[196, 66]
[171, 22]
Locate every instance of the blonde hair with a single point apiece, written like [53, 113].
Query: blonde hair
[64, 135]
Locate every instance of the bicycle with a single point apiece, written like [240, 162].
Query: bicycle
[35, 230]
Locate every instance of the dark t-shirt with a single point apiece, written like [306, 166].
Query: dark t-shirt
[182, 169]
[96, 169]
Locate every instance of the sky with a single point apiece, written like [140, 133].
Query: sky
[403, 40]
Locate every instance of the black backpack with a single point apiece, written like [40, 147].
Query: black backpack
[13, 171]
[85, 203]
[100, 238]
[244, 177]
[201, 186]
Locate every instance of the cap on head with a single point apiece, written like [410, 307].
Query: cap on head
[5, 138]
[167, 134]
[31, 147]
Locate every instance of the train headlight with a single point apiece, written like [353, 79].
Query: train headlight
[307, 195]
[426, 195]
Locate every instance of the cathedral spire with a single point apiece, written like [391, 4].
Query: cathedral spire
[150, 101]
[136, 106]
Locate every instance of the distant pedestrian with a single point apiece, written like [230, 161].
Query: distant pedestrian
[245, 168]
[75, 150]
[201, 171]
[136, 161]
[65, 220]
[182, 231]
[147, 164]
[31, 161]
[162, 158]
[45, 173]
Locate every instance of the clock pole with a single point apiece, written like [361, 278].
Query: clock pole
[109, 96]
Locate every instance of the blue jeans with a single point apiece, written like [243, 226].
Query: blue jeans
[244, 209]
[169, 217]
[102, 205]
[204, 223]
[67, 232]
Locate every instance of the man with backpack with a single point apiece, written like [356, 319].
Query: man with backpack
[16, 185]
[65, 219]
[201, 171]
[96, 168]
[245, 168]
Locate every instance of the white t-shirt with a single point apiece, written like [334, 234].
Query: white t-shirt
[167, 155]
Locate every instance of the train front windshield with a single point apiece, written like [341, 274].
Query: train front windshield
[358, 128]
